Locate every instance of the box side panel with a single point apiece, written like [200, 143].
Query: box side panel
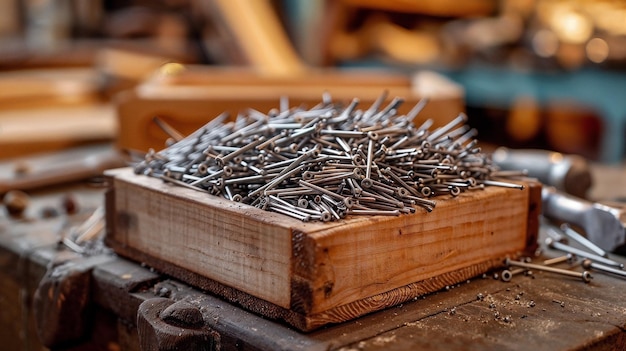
[357, 261]
[227, 246]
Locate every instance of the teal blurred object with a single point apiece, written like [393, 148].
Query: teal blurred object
[602, 90]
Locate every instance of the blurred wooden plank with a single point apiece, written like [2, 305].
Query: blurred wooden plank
[192, 97]
[29, 131]
[444, 8]
[256, 29]
[59, 167]
[48, 87]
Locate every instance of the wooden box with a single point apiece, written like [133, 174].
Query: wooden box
[315, 273]
[189, 99]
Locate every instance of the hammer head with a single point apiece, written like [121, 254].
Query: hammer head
[605, 226]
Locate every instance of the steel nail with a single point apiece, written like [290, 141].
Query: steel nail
[589, 264]
[585, 275]
[580, 253]
[507, 275]
[556, 260]
[574, 235]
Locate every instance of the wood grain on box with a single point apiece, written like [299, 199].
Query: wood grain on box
[315, 273]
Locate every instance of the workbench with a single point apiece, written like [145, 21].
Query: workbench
[103, 295]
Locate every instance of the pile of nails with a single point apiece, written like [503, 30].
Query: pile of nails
[329, 161]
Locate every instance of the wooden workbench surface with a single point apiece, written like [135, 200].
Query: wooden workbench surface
[544, 312]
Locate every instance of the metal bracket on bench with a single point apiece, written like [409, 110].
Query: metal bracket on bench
[164, 324]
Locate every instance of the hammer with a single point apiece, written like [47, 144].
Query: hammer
[604, 225]
[569, 173]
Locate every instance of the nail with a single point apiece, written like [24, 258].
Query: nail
[461, 118]
[466, 137]
[284, 103]
[294, 167]
[208, 177]
[343, 133]
[224, 159]
[515, 173]
[574, 235]
[328, 179]
[276, 181]
[417, 109]
[556, 260]
[270, 142]
[390, 109]
[503, 184]
[401, 182]
[585, 276]
[322, 190]
[399, 143]
[291, 213]
[381, 198]
[589, 264]
[374, 212]
[370, 153]
[168, 129]
[375, 105]
[580, 253]
[556, 235]
[507, 275]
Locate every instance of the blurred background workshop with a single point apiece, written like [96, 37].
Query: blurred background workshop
[91, 86]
